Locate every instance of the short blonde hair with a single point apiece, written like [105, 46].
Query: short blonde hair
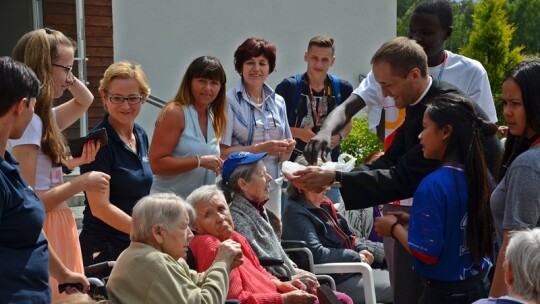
[125, 70]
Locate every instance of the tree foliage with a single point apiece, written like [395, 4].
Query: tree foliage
[403, 17]
[361, 142]
[462, 25]
[525, 15]
[490, 41]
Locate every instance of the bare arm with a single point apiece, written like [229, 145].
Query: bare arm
[167, 133]
[383, 226]
[107, 212]
[402, 236]
[27, 157]
[90, 181]
[62, 274]
[498, 287]
[277, 148]
[166, 136]
[336, 121]
[68, 112]
[347, 129]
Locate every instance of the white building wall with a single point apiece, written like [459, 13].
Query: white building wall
[164, 36]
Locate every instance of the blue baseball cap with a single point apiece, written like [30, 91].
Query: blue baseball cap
[236, 159]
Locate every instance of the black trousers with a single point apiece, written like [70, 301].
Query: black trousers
[99, 248]
[466, 291]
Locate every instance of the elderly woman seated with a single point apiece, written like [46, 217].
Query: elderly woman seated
[521, 269]
[246, 183]
[311, 217]
[249, 283]
[151, 269]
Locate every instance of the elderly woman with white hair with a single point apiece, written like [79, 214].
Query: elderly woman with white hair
[521, 269]
[250, 283]
[151, 269]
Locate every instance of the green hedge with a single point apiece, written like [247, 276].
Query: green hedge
[361, 142]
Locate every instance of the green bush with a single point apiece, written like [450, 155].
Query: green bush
[361, 142]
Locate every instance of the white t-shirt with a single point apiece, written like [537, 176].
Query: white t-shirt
[47, 176]
[466, 74]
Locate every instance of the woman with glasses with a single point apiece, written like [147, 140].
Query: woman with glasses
[41, 151]
[107, 217]
[185, 146]
[256, 115]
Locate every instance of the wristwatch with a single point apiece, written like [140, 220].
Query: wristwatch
[337, 180]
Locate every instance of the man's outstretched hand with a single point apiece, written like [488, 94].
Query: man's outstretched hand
[312, 179]
[318, 145]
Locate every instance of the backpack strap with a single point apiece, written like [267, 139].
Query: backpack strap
[336, 89]
[296, 96]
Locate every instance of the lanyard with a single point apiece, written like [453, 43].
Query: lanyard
[441, 71]
[316, 115]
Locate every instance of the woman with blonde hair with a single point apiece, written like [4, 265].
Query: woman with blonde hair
[185, 147]
[107, 217]
[41, 151]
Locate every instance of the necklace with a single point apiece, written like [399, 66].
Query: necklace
[130, 142]
[257, 100]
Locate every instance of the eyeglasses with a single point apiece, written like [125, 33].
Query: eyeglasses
[66, 68]
[116, 99]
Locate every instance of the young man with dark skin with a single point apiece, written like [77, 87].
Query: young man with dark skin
[400, 68]
[430, 25]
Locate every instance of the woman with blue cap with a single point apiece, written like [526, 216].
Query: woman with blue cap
[246, 185]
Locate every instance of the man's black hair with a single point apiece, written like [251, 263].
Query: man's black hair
[441, 8]
[17, 81]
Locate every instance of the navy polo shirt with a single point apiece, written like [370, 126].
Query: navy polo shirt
[24, 259]
[131, 178]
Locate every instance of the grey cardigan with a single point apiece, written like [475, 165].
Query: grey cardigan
[256, 228]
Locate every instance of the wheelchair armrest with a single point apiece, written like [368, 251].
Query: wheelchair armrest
[326, 279]
[352, 267]
[232, 302]
[301, 256]
[89, 271]
[268, 261]
[293, 244]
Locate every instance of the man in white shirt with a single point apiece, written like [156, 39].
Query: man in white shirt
[430, 25]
